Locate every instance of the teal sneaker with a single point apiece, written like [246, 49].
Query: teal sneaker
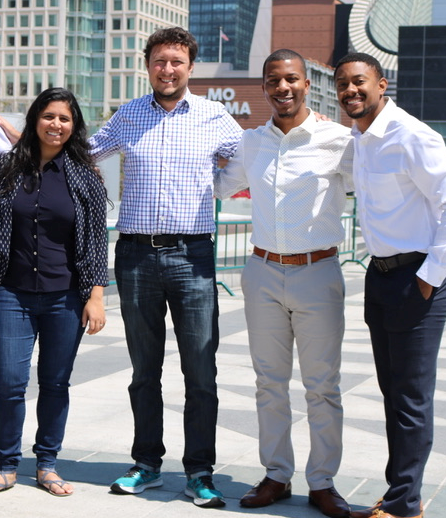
[136, 480]
[202, 490]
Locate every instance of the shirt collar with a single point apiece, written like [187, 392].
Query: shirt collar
[183, 103]
[379, 125]
[308, 125]
[56, 164]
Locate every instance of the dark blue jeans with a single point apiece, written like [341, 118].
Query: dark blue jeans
[56, 319]
[183, 278]
[406, 332]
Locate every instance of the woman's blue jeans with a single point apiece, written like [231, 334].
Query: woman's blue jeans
[182, 277]
[55, 318]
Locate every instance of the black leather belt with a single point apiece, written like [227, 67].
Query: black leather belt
[161, 240]
[385, 264]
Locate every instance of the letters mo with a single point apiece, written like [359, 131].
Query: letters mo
[226, 96]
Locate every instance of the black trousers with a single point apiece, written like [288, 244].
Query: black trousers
[406, 332]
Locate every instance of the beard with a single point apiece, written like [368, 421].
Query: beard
[361, 114]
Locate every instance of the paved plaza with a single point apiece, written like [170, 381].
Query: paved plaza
[100, 428]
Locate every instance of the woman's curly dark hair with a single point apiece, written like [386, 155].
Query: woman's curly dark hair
[25, 155]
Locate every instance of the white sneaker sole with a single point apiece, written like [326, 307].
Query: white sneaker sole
[137, 489]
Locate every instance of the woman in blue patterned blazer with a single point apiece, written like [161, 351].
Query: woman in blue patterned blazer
[53, 267]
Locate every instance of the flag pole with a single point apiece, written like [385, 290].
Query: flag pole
[220, 45]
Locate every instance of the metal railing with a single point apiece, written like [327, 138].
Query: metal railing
[233, 247]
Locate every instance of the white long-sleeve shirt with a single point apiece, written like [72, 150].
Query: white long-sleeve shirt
[5, 144]
[400, 179]
[297, 182]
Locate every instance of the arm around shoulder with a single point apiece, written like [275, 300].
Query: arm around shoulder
[10, 131]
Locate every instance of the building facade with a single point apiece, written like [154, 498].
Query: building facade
[92, 47]
[422, 74]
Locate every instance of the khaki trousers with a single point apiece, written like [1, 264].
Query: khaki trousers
[302, 304]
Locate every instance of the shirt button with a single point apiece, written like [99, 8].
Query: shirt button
[34, 236]
[35, 269]
[35, 253]
[35, 220]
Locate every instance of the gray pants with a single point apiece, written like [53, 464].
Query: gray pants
[306, 304]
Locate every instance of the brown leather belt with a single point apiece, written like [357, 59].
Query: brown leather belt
[298, 259]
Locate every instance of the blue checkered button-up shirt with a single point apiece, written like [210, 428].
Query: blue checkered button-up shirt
[169, 162]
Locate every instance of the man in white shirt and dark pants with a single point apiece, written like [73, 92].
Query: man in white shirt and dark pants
[298, 171]
[400, 179]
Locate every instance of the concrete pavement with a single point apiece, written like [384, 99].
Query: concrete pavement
[100, 428]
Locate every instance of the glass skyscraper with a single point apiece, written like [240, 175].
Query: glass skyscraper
[236, 18]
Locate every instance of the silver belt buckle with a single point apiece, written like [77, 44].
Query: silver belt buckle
[381, 265]
[284, 255]
[153, 243]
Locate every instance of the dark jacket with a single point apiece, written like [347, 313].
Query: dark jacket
[90, 225]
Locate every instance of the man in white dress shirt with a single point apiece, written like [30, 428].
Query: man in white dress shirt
[400, 179]
[298, 171]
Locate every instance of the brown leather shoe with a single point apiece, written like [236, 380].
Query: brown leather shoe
[376, 512]
[330, 503]
[265, 493]
[379, 513]
[366, 513]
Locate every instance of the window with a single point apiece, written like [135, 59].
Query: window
[116, 43]
[51, 80]
[97, 64]
[40, 3]
[116, 24]
[130, 42]
[97, 88]
[117, 5]
[115, 62]
[25, 3]
[38, 20]
[37, 84]
[23, 60]
[38, 40]
[11, 3]
[9, 60]
[98, 25]
[10, 21]
[129, 62]
[115, 87]
[132, 5]
[23, 87]
[52, 20]
[98, 45]
[130, 24]
[54, 3]
[53, 40]
[10, 41]
[37, 59]
[129, 81]
[51, 59]
[24, 20]
[9, 84]
[24, 40]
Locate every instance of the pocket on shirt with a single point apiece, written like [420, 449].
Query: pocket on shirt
[385, 191]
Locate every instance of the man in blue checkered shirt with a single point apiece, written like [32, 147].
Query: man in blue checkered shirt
[171, 141]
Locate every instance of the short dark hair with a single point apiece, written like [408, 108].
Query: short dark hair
[281, 55]
[363, 58]
[172, 36]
